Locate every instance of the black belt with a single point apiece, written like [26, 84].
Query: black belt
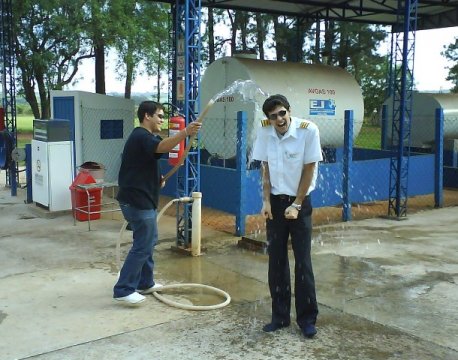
[288, 198]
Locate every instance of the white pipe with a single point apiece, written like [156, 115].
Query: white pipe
[196, 223]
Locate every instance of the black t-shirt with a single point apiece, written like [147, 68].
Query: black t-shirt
[139, 176]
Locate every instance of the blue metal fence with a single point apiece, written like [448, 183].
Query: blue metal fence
[355, 176]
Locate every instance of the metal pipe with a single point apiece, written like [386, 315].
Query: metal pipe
[196, 223]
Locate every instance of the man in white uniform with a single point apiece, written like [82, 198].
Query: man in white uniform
[289, 149]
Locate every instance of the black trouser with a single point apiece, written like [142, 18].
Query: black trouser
[278, 231]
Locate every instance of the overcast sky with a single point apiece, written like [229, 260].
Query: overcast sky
[429, 68]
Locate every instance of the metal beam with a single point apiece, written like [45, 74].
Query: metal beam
[188, 52]
[402, 83]
[8, 83]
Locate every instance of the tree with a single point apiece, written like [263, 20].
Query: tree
[142, 38]
[211, 36]
[358, 51]
[353, 47]
[261, 31]
[105, 21]
[289, 36]
[48, 47]
[451, 53]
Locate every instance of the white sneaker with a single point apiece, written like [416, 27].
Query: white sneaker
[132, 299]
[150, 290]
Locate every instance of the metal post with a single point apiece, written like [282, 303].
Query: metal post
[439, 160]
[402, 107]
[346, 165]
[242, 119]
[188, 42]
[384, 132]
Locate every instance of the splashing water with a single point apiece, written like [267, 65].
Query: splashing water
[247, 89]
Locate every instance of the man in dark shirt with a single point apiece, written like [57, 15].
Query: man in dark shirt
[139, 184]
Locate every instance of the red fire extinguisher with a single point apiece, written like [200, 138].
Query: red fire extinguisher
[176, 124]
[2, 119]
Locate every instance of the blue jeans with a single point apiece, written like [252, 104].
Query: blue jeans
[137, 271]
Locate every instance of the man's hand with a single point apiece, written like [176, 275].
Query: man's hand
[266, 211]
[291, 212]
[193, 128]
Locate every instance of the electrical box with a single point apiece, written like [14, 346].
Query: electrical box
[51, 130]
[52, 174]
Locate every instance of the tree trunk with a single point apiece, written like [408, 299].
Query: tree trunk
[277, 38]
[317, 42]
[129, 80]
[211, 36]
[233, 32]
[158, 81]
[99, 49]
[343, 49]
[44, 100]
[328, 41]
[261, 34]
[30, 97]
[242, 24]
[296, 37]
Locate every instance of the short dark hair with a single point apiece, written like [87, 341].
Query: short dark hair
[273, 101]
[148, 107]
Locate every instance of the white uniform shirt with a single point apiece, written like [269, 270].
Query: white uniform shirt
[287, 155]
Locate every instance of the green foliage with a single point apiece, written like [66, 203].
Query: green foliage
[24, 123]
[53, 36]
[451, 53]
[369, 137]
[48, 47]
[23, 109]
[142, 38]
[357, 52]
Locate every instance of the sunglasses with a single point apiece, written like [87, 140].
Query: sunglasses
[160, 116]
[281, 113]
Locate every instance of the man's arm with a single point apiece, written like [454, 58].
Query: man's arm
[266, 210]
[304, 184]
[169, 143]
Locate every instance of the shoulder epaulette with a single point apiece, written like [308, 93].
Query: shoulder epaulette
[304, 124]
[265, 123]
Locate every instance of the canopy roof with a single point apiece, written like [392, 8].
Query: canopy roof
[432, 14]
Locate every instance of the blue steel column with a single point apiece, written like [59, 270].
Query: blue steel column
[8, 83]
[188, 20]
[242, 118]
[402, 107]
[439, 160]
[346, 165]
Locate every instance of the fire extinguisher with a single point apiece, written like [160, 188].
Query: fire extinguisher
[2, 119]
[176, 124]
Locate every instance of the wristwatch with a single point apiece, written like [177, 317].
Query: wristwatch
[296, 206]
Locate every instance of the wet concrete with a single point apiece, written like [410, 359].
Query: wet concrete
[387, 290]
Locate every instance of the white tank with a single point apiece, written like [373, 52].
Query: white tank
[318, 93]
[422, 127]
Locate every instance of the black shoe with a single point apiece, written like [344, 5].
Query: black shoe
[274, 327]
[309, 330]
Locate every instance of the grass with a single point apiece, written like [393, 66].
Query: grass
[24, 123]
[369, 137]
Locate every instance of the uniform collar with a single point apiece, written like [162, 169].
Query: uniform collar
[292, 131]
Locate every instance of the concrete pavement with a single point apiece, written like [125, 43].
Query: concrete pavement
[387, 290]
